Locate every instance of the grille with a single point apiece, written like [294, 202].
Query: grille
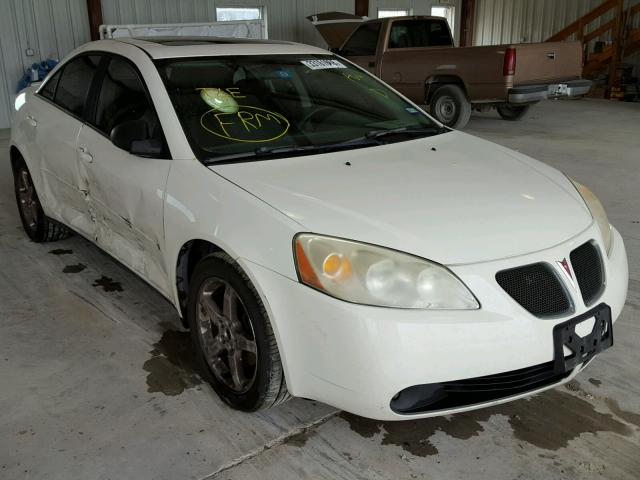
[537, 288]
[587, 265]
[472, 391]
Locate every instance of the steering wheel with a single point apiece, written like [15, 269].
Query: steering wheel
[317, 115]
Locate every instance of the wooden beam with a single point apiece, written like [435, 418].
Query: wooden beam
[94, 8]
[467, 22]
[362, 8]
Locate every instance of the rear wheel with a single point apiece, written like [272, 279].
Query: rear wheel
[36, 224]
[450, 106]
[230, 329]
[512, 112]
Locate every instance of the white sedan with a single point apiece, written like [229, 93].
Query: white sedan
[319, 234]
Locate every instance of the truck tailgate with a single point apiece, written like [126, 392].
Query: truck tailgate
[549, 61]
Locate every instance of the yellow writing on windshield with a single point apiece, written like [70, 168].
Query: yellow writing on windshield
[248, 124]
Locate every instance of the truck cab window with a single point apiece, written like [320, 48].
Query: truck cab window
[419, 33]
[364, 40]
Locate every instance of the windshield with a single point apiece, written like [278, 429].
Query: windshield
[234, 108]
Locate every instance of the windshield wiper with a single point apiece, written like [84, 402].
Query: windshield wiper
[371, 138]
[433, 130]
[260, 152]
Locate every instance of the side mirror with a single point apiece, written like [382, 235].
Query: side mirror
[125, 134]
[147, 148]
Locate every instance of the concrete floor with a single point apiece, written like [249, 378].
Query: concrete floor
[96, 378]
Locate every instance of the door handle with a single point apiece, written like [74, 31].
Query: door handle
[32, 120]
[85, 155]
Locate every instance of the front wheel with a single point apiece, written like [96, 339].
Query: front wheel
[512, 112]
[231, 332]
[450, 106]
[36, 224]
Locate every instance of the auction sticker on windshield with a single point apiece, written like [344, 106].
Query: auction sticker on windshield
[322, 64]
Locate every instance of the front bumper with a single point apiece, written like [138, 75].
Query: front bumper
[357, 358]
[535, 93]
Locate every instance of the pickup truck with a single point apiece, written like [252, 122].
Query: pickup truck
[416, 55]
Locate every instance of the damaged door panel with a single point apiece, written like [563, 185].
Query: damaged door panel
[125, 195]
[56, 117]
[122, 169]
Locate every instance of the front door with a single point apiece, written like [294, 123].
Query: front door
[362, 46]
[125, 191]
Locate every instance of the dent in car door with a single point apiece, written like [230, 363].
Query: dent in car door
[126, 191]
[56, 117]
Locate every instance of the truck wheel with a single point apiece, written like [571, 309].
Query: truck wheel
[235, 344]
[450, 106]
[512, 112]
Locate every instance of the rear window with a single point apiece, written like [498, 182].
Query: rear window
[419, 33]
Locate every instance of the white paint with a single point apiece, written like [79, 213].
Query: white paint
[460, 205]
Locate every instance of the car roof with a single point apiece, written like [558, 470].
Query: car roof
[176, 47]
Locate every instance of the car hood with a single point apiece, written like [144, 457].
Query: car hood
[451, 198]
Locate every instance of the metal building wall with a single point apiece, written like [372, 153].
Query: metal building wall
[523, 21]
[285, 18]
[50, 28]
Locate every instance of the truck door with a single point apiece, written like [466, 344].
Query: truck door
[362, 46]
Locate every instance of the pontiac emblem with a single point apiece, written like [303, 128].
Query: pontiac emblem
[566, 269]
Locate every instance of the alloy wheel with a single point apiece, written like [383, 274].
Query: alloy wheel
[28, 200]
[226, 335]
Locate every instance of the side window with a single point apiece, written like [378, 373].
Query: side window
[75, 81]
[48, 91]
[364, 41]
[123, 98]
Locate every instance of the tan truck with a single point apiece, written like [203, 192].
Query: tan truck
[416, 56]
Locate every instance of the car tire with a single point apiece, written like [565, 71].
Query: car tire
[450, 106]
[512, 112]
[36, 224]
[235, 345]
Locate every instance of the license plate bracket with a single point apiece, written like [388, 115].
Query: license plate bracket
[584, 348]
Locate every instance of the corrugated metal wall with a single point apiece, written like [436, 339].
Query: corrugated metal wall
[285, 18]
[50, 28]
[518, 21]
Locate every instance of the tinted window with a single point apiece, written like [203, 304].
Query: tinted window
[419, 33]
[75, 82]
[49, 89]
[364, 41]
[123, 98]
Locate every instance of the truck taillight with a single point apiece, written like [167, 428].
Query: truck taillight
[509, 67]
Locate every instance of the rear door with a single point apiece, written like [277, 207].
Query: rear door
[126, 191]
[57, 115]
[362, 45]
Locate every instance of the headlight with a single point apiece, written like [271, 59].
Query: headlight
[598, 213]
[370, 275]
